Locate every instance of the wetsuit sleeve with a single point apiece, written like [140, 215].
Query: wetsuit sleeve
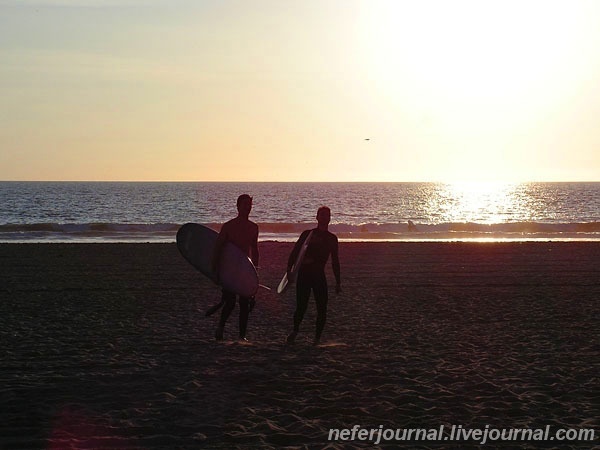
[335, 260]
[296, 249]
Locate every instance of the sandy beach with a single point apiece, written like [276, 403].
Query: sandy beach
[107, 346]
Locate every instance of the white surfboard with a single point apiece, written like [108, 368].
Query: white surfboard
[286, 281]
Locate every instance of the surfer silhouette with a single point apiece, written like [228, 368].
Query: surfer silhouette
[311, 275]
[243, 233]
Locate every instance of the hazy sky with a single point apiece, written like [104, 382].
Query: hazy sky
[294, 90]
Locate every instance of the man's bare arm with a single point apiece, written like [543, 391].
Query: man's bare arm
[335, 264]
[254, 249]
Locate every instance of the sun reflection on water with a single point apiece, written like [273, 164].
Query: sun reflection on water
[481, 202]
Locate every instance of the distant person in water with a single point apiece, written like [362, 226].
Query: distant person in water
[243, 233]
[311, 275]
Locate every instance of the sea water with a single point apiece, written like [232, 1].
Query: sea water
[153, 211]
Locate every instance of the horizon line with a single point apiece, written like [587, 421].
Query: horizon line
[499, 181]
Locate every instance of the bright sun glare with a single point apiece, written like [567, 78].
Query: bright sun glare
[483, 202]
[472, 50]
[478, 72]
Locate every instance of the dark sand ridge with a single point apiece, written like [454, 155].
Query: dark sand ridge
[106, 345]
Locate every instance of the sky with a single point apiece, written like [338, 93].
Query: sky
[300, 90]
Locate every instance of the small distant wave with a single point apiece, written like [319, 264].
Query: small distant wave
[71, 232]
[402, 231]
[285, 231]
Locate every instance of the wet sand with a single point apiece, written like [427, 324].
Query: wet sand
[107, 346]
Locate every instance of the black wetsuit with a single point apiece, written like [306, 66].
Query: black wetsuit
[311, 275]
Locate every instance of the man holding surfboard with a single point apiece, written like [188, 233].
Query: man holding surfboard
[311, 271]
[243, 233]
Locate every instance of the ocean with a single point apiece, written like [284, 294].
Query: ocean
[153, 211]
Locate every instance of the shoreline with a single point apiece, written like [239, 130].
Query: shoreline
[294, 238]
[106, 345]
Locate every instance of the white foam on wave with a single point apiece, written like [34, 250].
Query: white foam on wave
[288, 232]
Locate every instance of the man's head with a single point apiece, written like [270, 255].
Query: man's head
[244, 205]
[323, 216]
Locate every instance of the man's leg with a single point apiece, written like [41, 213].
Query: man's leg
[244, 313]
[229, 305]
[321, 298]
[303, 289]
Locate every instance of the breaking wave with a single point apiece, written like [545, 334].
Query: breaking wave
[280, 231]
[69, 232]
